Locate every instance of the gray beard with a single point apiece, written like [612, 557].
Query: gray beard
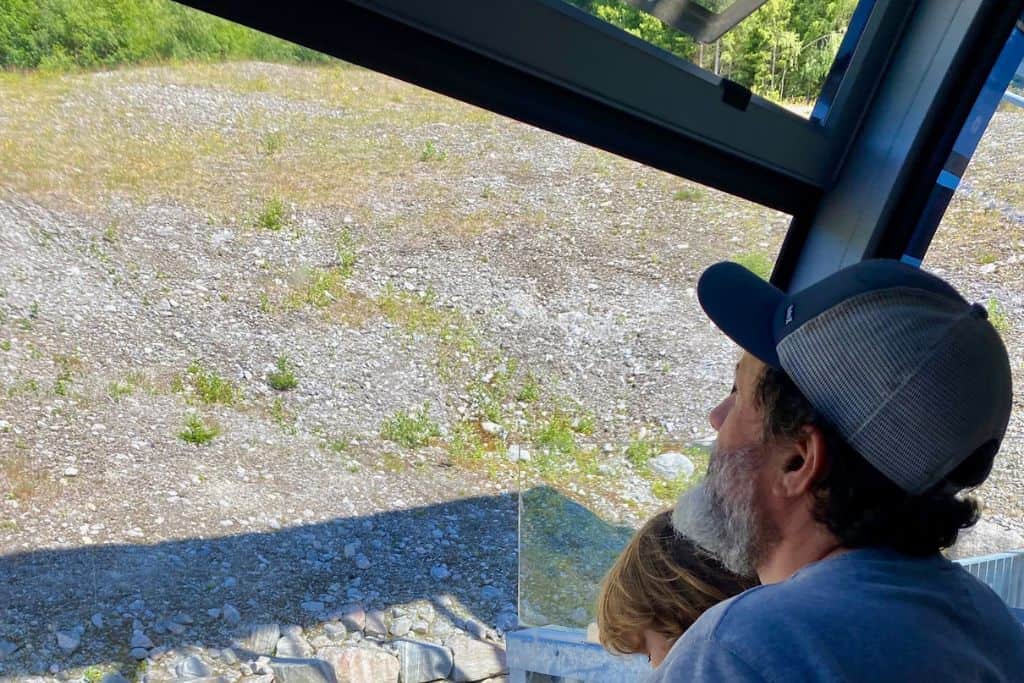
[721, 513]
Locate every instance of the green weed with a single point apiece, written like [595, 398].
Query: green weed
[530, 391]
[557, 436]
[198, 432]
[282, 417]
[5, 345]
[283, 377]
[410, 429]
[119, 389]
[640, 451]
[431, 152]
[271, 216]
[986, 258]
[393, 463]
[346, 253]
[210, 387]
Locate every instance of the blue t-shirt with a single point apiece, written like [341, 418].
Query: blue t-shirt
[865, 615]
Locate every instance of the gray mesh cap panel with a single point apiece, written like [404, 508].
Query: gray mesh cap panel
[913, 381]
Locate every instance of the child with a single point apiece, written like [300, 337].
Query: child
[658, 587]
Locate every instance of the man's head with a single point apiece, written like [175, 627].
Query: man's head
[861, 407]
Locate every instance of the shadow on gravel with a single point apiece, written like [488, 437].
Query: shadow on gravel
[461, 557]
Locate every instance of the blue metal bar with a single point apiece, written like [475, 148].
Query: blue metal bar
[994, 92]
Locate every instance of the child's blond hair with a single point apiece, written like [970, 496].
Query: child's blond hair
[661, 582]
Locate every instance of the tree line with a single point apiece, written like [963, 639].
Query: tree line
[783, 51]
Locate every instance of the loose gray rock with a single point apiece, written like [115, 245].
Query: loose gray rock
[313, 606]
[303, 671]
[420, 662]
[353, 617]
[7, 648]
[440, 572]
[228, 656]
[362, 561]
[68, 641]
[113, 677]
[490, 593]
[671, 465]
[139, 653]
[140, 639]
[230, 614]
[401, 626]
[294, 646]
[192, 667]
[97, 620]
[375, 623]
[335, 630]
[518, 453]
[261, 638]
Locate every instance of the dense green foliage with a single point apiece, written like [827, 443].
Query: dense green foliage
[782, 51]
[60, 34]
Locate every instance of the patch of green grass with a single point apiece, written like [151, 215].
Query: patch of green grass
[411, 430]
[467, 446]
[392, 462]
[757, 263]
[530, 391]
[339, 445]
[556, 435]
[263, 303]
[986, 258]
[273, 142]
[5, 345]
[282, 417]
[92, 674]
[688, 194]
[640, 451]
[65, 367]
[431, 152]
[998, 317]
[21, 387]
[198, 432]
[668, 491]
[111, 233]
[345, 250]
[320, 287]
[283, 377]
[210, 387]
[271, 216]
[119, 389]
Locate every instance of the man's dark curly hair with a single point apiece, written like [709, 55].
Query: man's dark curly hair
[857, 503]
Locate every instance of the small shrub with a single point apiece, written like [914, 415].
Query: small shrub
[111, 233]
[263, 303]
[757, 263]
[283, 378]
[584, 424]
[92, 674]
[431, 152]
[339, 445]
[282, 418]
[271, 216]
[210, 387]
[410, 429]
[466, 446]
[997, 316]
[197, 432]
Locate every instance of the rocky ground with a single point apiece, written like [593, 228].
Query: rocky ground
[279, 346]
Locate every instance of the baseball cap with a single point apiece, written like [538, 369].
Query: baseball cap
[910, 374]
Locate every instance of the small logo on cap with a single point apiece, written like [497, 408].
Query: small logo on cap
[789, 314]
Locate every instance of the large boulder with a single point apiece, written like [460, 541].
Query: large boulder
[360, 664]
[420, 662]
[475, 660]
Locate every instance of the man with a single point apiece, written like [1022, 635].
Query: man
[863, 406]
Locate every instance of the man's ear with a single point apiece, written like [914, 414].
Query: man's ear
[804, 463]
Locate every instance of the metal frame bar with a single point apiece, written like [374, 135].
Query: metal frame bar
[696, 21]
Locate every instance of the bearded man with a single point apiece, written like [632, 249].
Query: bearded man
[863, 407]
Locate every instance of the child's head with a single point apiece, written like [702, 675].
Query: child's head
[658, 587]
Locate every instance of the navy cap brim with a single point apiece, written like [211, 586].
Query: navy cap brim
[743, 306]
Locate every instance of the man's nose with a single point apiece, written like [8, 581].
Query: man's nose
[719, 412]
